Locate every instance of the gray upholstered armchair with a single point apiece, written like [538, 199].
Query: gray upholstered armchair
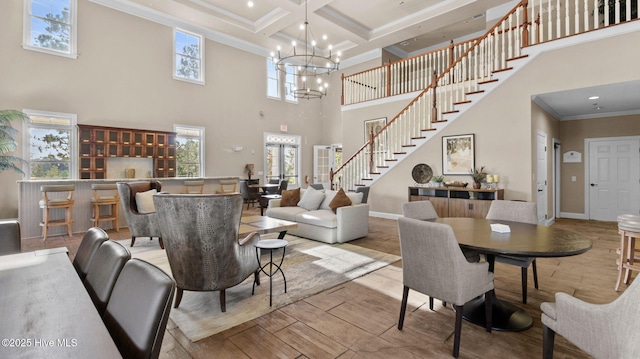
[140, 224]
[433, 264]
[201, 238]
[517, 211]
[602, 330]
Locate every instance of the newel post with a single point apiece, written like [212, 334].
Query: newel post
[451, 59]
[434, 107]
[342, 93]
[388, 65]
[331, 174]
[371, 147]
[525, 23]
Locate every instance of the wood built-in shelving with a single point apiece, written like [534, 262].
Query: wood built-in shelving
[98, 143]
[457, 201]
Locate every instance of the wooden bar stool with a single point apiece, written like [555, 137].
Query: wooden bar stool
[629, 230]
[52, 199]
[194, 187]
[228, 186]
[105, 195]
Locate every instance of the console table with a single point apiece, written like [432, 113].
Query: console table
[457, 201]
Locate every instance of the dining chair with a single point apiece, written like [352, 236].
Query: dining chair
[93, 238]
[10, 242]
[283, 186]
[194, 186]
[629, 230]
[272, 190]
[137, 202]
[602, 330]
[249, 195]
[317, 186]
[202, 244]
[105, 194]
[516, 211]
[433, 264]
[57, 197]
[138, 309]
[103, 272]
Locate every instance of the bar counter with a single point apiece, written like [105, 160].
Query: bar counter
[30, 214]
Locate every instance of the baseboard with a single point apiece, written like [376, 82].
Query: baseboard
[384, 215]
[573, 215]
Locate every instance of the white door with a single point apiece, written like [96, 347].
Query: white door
[322, 165]
[541, 176]
[614, 172]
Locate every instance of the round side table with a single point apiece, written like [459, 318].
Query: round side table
[270, 245]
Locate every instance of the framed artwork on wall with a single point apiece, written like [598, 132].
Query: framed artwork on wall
[375, 125]
[458, 154]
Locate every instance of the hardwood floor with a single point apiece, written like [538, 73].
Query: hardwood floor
[358, 319]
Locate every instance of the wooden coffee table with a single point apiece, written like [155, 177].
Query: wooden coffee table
[264, 225]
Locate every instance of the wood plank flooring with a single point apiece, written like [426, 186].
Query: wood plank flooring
[358, 319]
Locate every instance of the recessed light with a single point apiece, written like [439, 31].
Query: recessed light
[594, 97]
[250, 4]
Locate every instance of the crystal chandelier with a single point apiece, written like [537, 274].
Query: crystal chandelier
[309, 61]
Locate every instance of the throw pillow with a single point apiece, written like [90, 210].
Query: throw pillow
[144, 201]
[311, 199]
[290, 198]
[328, 197]
[340, 200]
[355, 197]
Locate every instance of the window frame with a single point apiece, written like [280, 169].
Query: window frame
[289, 86]
[271, 65]
[73, 139]
[27, 43]
[201, 138]
[201, 73]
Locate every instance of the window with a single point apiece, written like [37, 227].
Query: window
[275, 85]
[50, 145]
[273, 80]
[188, 59]
[189, 151]
[50, 26]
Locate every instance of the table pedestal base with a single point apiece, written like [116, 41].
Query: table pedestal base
[506, 316]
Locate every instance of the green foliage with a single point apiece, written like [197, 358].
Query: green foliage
[188, 157]
[189, 66]
[8, 143]
[437, 179]
[623, 10]
[478, 174]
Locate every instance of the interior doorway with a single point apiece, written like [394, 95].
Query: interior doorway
[325, 159]
[541, 176]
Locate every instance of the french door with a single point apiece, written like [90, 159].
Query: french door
[325, 159]
[282, 159]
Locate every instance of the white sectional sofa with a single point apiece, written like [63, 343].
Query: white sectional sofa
[318, 221]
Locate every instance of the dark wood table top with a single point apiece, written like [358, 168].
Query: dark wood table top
[524, 240]
[46, 312]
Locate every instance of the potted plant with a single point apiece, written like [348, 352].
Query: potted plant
[438, 180]
[8, 143]
[478, 176]
[249, 169]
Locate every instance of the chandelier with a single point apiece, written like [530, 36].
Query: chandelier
[309, 61]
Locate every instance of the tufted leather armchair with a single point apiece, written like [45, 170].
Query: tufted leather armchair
[140, 224]
[201, 238]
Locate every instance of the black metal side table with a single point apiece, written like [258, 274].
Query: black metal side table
[271, 245]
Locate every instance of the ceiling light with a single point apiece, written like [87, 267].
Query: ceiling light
[594, 97]
[309, 60]
[250, 4]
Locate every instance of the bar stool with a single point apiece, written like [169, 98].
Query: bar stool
[629, 230]
[194, 187]
[49, 202]
[228, 186]
[105, 195]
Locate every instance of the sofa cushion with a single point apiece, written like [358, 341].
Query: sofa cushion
[320, 218]
[340, 200]
[144, 201]
[355, 197]
[286, 213]
[290, 198]
[311, 199]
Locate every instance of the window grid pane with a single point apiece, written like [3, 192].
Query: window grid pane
[188, 56]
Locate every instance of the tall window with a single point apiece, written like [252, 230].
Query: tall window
[189, 151]
[49, 145]
[290, 83]
[188, 59]
[273, 80]
[50, 26]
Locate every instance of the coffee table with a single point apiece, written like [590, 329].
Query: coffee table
[264, 225]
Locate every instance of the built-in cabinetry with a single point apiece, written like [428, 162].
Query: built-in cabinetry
[98, 143]
[456, 201]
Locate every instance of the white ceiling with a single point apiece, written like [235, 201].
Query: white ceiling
[357, 27]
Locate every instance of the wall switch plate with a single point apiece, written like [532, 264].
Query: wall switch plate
[573, 178]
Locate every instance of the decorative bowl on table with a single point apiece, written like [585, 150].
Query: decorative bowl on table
[456, 184]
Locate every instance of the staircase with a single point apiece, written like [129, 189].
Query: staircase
[485, 63]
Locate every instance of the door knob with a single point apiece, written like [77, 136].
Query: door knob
[594, 185]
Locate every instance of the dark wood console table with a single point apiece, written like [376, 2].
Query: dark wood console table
[457, 201]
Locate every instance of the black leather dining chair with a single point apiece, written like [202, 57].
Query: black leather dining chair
[104, 271]
[138, 310]
[86, 251]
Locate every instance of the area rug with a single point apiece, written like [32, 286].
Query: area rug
[309, 266]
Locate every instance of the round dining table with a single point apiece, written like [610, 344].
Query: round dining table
[522, 240]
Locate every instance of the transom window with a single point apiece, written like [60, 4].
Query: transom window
[49, 145]
[189, 151]
[50, 26]
[188, 59]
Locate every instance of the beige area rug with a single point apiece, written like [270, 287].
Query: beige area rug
[309, 266]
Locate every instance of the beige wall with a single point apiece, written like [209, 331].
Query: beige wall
[573, 135]
[123, 78]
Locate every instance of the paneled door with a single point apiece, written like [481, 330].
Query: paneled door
[325, 159]
[541, 176]
[614, 175]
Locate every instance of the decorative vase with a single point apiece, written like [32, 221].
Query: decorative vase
[476, 185]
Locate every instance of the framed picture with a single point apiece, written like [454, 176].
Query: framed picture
[376, 126]
[458, 154]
